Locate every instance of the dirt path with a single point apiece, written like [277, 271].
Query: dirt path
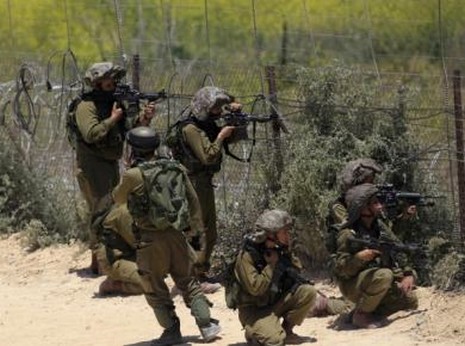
[42, 303]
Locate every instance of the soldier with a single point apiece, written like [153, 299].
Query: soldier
[161, 230]
[116, 254]
[267, 290]
[376, 288]
[355, 172]
[101, 124]
[201, 153]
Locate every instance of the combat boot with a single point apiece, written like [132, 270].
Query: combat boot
[110, 287]
[170, 336]
[211, 330]
[366, 320]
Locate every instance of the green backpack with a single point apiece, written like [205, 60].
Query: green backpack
[164, 201]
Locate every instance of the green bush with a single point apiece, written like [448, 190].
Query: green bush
[32, 201]
[342, 121]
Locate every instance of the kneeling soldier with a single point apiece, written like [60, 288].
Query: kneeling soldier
[378, 282]
[270, 285]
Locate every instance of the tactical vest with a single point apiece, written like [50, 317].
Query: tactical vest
[164, 201]
[181, 150]
[104, 103]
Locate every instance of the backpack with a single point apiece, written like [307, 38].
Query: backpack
[72, 130]
[231, 285]
[164, 201]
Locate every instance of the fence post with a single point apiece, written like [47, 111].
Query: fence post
[457, 82]
[136, 71]
[276, 135]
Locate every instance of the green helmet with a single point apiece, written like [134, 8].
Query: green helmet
[357, 171]
[206, 99]
[143, 139]
[103, 70]
[356, 199]
[270, 221]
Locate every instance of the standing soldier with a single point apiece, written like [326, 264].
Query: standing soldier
[376, 286]
[166, 213]
[270, 285]
[199, 149]
[98, 127]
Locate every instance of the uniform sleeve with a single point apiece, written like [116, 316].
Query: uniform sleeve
[207, 152]
[339, 213]
[131, 181]
[91, 128]
[195, 211]
[347, 265]
[253, 282]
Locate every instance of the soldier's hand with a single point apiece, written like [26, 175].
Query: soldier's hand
[235, 106]
[271, 257]
[201, 258]
[407, 284]
[226, 132]
[367, 255]
[116, 113]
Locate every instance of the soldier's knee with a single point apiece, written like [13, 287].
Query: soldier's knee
[383, 278]
[307, 293]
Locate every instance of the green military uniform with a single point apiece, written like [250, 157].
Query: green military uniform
[98, 152]
[266, 291]
[162, 252]
[370, 285]
[260, 309]
[119, 262]
[208, 153]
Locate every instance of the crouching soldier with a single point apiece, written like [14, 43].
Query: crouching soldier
[165, 212]
[116, 254]
[378, 283]
[270, 287]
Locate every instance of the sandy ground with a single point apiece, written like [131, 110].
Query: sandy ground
[42, 302]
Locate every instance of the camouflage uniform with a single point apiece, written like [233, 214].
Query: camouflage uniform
[260, 307]
[100, 141]
[371, 287]
[204, 156]
[163, 252]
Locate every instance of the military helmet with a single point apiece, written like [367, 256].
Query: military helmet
[102, 70]
[270, 221]
[356, 199]
[143, 139]
[357, 171]
[206, 99]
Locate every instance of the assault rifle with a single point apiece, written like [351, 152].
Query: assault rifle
[387, 248]
[286, 277]
[124, 92]
[390, 197]
[131, 97]
[242, 119]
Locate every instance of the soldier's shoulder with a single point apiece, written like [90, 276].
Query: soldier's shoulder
[85, 105]
[190, 128]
